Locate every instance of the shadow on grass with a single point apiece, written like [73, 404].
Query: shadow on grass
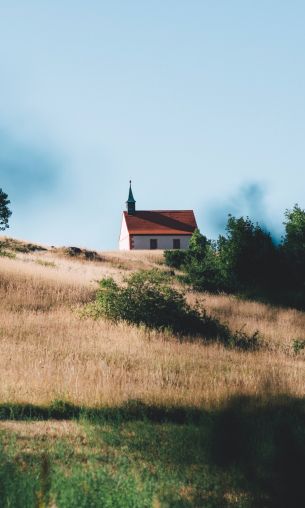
[132, 410]
[264, 442]
[258, 443]
[289, 298]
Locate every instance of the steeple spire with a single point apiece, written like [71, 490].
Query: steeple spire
[131, 203]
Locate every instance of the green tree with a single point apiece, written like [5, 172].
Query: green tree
[293, 245]
[202, 267]
[197, 250]
[5, 212]
[247, 254]
[198, 245]
[205, 274]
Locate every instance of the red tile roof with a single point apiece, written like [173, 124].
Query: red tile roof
[161, 222]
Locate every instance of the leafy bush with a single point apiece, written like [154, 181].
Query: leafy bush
[148, 299]
[205, 274]
[175, 258]
[202, 266]
[200, 263]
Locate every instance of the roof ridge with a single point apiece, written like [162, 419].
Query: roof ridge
[176, 211]
[161, 222]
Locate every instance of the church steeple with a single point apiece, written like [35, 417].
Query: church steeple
[131, 203]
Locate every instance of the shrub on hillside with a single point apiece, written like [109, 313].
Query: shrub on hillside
[175, 258]
[147, 298]
[206, 274]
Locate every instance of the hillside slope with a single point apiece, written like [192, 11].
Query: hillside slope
[50, 354]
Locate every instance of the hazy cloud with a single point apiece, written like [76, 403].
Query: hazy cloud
[249, 201]
[26, 172]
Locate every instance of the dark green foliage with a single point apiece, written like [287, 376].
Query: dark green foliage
[202, 266]
[248, 262]
[175, 258]
[198, 245]
[5, 212]
[245, 257]
[148, 299]
[247, 254]
[206, 273]
[199, 262]
[293, 247]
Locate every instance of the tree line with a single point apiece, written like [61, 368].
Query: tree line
[247, 260]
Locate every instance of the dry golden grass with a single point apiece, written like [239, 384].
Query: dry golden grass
[48, 352]
[279, 326]
[53, 264]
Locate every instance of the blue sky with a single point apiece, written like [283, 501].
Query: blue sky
[200, 102]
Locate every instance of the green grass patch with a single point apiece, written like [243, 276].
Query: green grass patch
[136, 464]
[247, 453]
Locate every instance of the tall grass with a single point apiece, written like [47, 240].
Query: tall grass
[48, 352]
[100, 414]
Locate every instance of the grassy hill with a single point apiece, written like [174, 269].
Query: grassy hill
[100, 414]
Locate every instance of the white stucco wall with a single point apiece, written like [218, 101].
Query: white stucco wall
[124, 236]
[142, 242]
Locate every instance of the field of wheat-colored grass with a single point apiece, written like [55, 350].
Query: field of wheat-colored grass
[94, 413]
[49, 352]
